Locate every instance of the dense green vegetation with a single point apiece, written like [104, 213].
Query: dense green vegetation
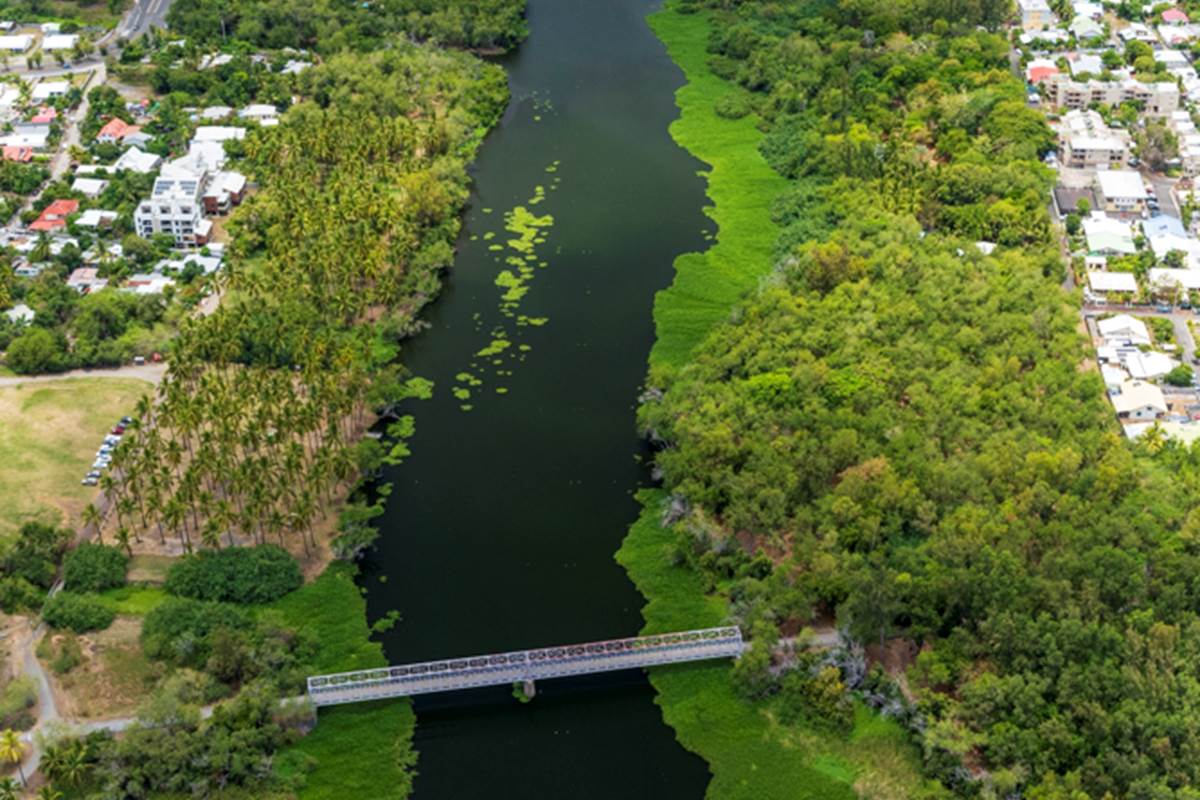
[29, 565]
[94, 567]
[235, 575]
[333, 25]
[894, 426]
[77, 612]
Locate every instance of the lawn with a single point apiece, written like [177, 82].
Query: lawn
[750, 753]
[49, 433]
[741, 185]
[133, 600]
[355, 751]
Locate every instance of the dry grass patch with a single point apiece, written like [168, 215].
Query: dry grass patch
[149, 568]
[49, 433]
[113, 675]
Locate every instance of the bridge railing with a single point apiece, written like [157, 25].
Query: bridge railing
[530, 663]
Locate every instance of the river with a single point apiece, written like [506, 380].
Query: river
[502, 525]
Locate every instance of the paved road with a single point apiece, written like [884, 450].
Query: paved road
[151, 373]
[144, 15]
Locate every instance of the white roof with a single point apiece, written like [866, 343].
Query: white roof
[1105, 234]
[35, 140]
[1087, 63]
[1112, 281]
[20, 313]
[94, 218]
[1186, 432]
[48, 89]
[209, 264]
[1123, 326]
[9, 96]
[216, 112]
[1170, 57]
[1163, 243]
[1136, 395]
[1183, 278]
[1113, 376]
[135, 160]
[256, 110]
[62, 41]
[19, 43]
[1149, 366]
[1124, 183]
[147, 283]
[218, 133]
[89, 186]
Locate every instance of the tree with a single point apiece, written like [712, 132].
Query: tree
[12, 750]
[36, 350]
[1180, 376]
[1157, 144]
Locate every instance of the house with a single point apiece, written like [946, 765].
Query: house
[1124, 328]
[147, 283]
[54, 216]
[45, 115]
[115, 130]
[22, 155]
[259, 112]
[1171, 280]
[1174, 35]
[1163, 244]
[1136, 31]
[96, 218]
[1107, 236]
[175, 207]
[20, 314]
[294, 67]
[1149, 366]
[1067, 199]
[51, 27]
[218, 133]
[1039, 69]
[1173, 16]
[1049, 36]
[225, 190]
[216, 113]
[1138, 400]
[1085, 64]
[1103, 283]
[15, 44]
[85, 279]
[1171, 58]
[209, 264]
[1121, 191]
[32, 141]
[89, 187]
[135, 160]
[1035, 14]
[1085, 28]
[60, 41]
[1086, 8]
[1113, 376]
[49, 89]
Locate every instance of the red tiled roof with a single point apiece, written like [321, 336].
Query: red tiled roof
[117, 128]
[45, 114]
[54, 216]
[21, 154]
[1174, 15]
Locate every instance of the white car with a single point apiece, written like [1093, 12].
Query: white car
[101, 463]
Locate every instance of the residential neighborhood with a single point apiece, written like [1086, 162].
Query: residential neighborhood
[1121, 92]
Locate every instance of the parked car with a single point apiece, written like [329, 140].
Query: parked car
[126, 421]
[93, 474]
[117, 430]
[138, 361]
[89, 481]
[112, 439]
[1163, 308]
[101, 463]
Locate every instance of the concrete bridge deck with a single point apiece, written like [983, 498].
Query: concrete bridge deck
[524, 666]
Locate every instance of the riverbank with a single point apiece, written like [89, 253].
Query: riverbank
[750, 753]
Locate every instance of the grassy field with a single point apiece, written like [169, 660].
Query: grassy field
[741, 186]
[751, 754]
[355, 751]
[49, 432]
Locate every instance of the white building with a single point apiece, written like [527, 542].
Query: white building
[96, 218]
[1158, 99]
[1108, 236]
[1139, 400]
[1149, 366]
[20, 314]
[62, 41]
[175, 207]
[16, 44]
[89, 187]
[1102, 283]
[218, 133]
[135, 160]
[49, 89]
[1035, 14]
[1124, 328]
[1121, 191]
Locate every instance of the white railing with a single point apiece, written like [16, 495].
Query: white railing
[524, 665]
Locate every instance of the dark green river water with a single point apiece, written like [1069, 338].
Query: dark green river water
[501, 529]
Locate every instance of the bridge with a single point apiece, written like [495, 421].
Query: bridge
[524, 666]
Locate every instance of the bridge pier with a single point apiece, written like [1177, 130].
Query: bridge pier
[529, 689]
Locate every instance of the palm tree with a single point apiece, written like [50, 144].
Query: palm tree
[91, 518]
[48, 792]
[9, 789]
[12, 750]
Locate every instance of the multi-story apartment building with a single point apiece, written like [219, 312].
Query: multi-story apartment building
[1157, 99]
[175, 207]
[1086, 141]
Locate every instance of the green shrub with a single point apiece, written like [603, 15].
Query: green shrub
[16, 594]
[734, 105]
[62, 656]
[77, 612]
[15, 703]
[178, 630]
[235, 575]
[94, 568]
[36, 553]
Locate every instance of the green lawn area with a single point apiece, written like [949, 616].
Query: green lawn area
[355, 751]
[740, 184]
[134, 600]
[750, 753]
[49, 433]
